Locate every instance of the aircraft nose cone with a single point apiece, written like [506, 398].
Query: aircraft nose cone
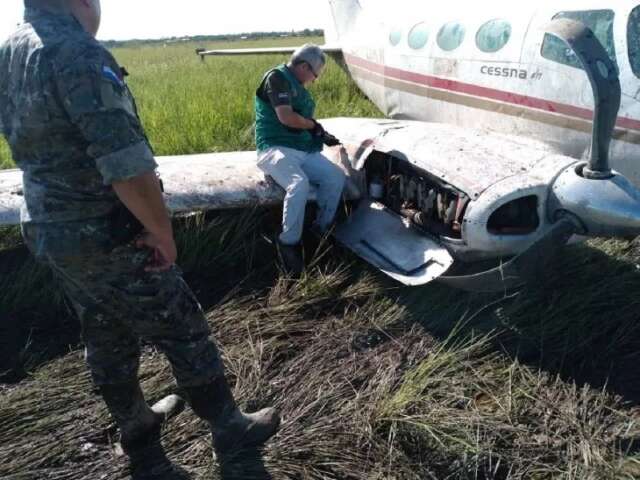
[606, 207]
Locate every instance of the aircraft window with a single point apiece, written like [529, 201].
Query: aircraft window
[599, 21]
[633, 40]
[395, 36]
[493, 35]
[451, 36]
[418, 36]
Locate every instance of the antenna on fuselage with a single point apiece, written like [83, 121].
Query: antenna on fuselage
[605, 84]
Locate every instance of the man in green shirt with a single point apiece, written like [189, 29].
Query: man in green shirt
[289, 143]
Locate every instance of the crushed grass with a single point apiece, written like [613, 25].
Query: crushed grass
[366, 388]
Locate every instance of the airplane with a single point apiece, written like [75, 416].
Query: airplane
[497, 68]
[439, 197]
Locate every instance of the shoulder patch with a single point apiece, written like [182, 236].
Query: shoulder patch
[112, 76]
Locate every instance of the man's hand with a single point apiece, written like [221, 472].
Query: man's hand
[164, 251]
[319, 131]
[143, 197]
[329, 140]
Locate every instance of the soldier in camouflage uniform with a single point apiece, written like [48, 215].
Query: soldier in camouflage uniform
[94, 213]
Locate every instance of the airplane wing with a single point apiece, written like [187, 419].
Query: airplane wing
[209, 181]
[191, 183]
[329, 49]
[214, 181]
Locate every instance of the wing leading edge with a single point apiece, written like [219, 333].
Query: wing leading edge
[328, 49]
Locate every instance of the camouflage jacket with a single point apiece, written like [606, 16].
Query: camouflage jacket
[72, 127]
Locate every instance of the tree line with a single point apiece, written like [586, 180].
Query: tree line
[307, 32]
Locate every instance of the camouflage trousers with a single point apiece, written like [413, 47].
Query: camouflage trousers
[118, 303]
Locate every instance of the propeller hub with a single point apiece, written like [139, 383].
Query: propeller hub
[608, 206]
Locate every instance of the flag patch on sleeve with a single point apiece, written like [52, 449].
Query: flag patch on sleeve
[112, 76]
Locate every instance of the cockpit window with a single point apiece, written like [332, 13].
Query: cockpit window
[493, 35]
[395, 36]
[633, 40]
[599, 21]
[451, 36]
[418, 36]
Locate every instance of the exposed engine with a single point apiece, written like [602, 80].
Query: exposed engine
[427, 202]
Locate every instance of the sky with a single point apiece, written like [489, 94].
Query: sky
[128, 19]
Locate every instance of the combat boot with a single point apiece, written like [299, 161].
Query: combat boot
[231, 428]
[140, 427]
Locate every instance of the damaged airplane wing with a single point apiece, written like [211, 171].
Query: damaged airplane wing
[192, 183]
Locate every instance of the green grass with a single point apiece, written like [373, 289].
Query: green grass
[374, 381]
[190, 106]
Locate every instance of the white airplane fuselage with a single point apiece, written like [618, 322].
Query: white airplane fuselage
[527, 86]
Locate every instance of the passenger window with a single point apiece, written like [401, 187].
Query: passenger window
[633, 40]
[493, 35]
[451, 36]
[395, 36]
[418, 36]
[599, 21]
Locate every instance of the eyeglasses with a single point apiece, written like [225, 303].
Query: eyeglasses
[315, 75]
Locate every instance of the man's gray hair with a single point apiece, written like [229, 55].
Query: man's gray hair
[311, 54]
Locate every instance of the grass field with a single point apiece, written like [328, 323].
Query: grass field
[188, 106]
[374, 381]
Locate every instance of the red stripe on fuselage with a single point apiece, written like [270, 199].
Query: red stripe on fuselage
[484, 92]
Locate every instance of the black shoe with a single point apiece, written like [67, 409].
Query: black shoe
[290, 259]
